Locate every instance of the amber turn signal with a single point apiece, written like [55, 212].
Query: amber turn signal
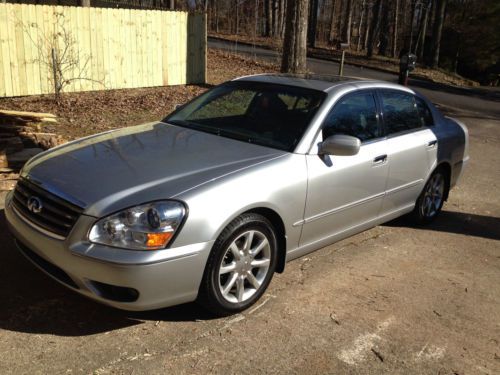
[156, 240]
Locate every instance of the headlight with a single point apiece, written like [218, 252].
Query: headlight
[146, 227]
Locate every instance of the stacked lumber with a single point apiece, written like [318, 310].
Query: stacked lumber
[21, 139]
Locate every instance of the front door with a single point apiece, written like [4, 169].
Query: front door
[346, 191]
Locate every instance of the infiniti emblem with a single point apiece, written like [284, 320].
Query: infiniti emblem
[35, 205]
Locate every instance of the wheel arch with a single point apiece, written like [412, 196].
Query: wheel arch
[280, 231]
[446, 168]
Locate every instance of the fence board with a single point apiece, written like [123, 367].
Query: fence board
[14, 66]
[114, 48]
[5, 78]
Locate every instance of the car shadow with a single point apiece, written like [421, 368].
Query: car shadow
[31, 302]
[456, 222]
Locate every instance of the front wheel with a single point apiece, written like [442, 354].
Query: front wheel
[240, 266]
[431, 200]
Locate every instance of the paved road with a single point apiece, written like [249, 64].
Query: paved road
[475, 102]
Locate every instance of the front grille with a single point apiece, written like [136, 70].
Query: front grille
[56, 216]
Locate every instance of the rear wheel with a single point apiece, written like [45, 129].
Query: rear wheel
[240, 266]
[431, 200]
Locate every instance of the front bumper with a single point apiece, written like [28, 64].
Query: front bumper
[160, 278]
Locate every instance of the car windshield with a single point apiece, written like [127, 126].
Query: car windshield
[265, 114]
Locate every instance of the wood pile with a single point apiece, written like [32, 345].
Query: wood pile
[21, 138]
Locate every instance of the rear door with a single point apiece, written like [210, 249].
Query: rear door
[411, 148]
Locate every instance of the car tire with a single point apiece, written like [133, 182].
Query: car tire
[432, 197]
[240, 266]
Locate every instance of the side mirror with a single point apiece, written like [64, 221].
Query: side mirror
[340, 144]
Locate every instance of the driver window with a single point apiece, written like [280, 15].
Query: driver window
[355, 115]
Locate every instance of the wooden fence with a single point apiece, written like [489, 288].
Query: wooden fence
[97, 48]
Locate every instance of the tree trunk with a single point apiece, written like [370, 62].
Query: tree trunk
[313, 20]
[360, 26]
[331, 34]
[436, 32]
[412, 23]
[295, 42]
[84, 3]
[374, 27]
[346, 30]
[282, 12]
[340, 19]
[216, 8]
[172, 4]
[369, 12]
[384, 30]
[268, 14]
[419, 49]
[275, 17]
[395, 31]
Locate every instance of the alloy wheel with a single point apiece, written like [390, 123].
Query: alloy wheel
[433, 196]
[244, 266]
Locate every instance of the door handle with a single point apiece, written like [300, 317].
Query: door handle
[432, 143]
[380, 159]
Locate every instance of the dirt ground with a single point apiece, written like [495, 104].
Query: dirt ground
[395, 299]
[85, 113]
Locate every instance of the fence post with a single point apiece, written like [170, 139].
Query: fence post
[341, 66]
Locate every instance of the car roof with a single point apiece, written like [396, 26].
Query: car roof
[326, 83]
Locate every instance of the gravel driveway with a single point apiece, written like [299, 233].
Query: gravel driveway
[397, 298]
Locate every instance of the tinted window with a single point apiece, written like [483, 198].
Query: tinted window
[235, 103]
[261, 113]
[400, 112]
[354, 115]
[424, 112]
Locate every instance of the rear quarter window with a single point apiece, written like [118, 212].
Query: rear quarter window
[424, 111]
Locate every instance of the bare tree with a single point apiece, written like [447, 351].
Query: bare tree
[420, 47]
[369, 11]
[295, 42]
[340, 19]
[437, 31]
[360, 25]
[374, 27]
[346, 29]
[312, 24]
[331, 34]
[282, 17]
[268, 12]
[58, 52]
[395, 30]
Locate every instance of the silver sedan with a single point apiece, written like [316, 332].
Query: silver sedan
[210, 202]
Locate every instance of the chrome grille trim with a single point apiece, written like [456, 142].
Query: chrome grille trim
[57, 217]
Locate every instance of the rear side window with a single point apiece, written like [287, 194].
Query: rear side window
[400, 112]
[424, 112]
[355, 115]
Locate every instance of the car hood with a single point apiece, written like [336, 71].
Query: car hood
[118, 169]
